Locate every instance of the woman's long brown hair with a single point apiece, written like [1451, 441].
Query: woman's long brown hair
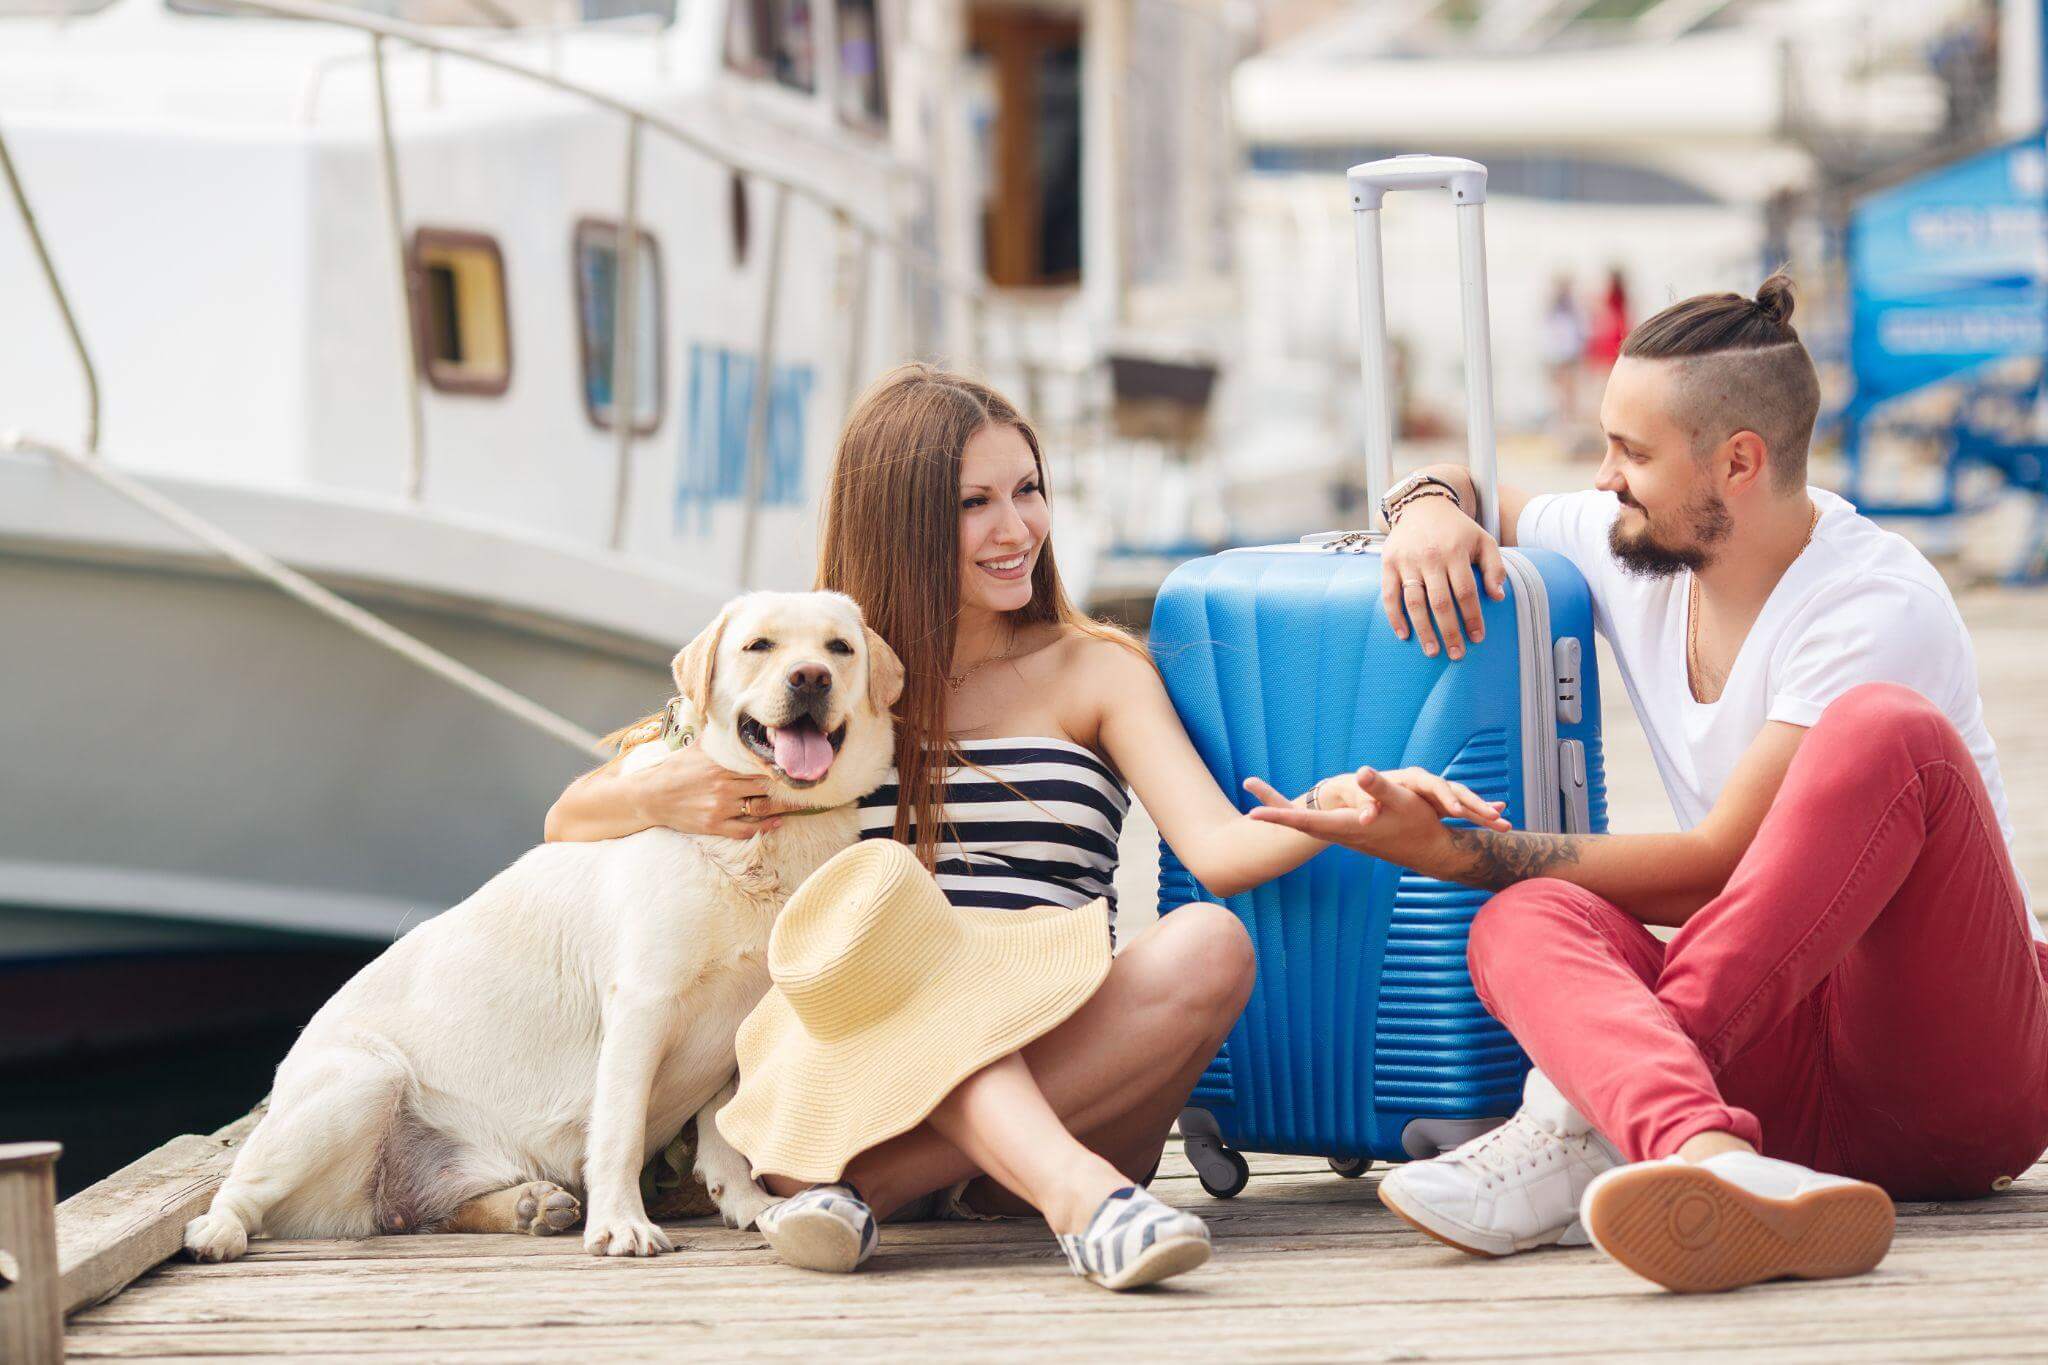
[891, 541]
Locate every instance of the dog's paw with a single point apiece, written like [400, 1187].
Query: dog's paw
[545, 1208]
[740, 1204]
[215, 1237]
[624, 1237]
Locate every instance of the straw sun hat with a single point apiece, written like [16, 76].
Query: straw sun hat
[886, 997]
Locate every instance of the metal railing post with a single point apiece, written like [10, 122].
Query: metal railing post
[764, 384]
[387, 151]
[857, 311]
[626, 335]
[35, 240]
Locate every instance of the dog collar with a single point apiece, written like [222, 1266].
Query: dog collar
[674, 732]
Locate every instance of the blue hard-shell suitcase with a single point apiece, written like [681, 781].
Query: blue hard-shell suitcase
[1363, 1038]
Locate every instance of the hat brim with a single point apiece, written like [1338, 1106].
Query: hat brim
[806, 1107]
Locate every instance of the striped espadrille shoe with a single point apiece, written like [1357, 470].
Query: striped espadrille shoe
[1133, 1240]
[827, 1227]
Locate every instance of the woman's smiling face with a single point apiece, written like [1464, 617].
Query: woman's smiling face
[1004, 519]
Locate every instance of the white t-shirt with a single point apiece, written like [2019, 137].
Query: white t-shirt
[1859, 605]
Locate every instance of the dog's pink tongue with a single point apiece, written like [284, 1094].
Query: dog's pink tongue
[802, 752]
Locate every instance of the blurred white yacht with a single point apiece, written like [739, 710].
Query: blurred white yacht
[397, 375]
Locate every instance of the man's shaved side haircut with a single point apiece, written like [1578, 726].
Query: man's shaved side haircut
[1740, 367]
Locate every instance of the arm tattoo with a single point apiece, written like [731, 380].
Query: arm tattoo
[1497, 861]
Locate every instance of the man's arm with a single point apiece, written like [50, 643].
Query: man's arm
[1426, 569]
[1512, 500]
[1658, 878]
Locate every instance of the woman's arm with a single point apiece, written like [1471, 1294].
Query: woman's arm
[1226, 850]
[686, 792]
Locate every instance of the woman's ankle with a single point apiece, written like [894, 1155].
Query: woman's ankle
[1079, 1192]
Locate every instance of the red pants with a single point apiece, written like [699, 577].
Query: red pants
[1865, 996]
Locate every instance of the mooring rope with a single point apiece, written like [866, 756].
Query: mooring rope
[329, 604]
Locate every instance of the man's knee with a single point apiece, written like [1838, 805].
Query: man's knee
[1883, 712]
[1208, 962]
[1505, 927]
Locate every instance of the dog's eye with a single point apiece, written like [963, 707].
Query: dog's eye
[838, 647]
[757, 646]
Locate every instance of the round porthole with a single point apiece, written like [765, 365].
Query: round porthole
[739, 220]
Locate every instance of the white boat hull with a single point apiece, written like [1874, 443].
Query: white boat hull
[184, 744]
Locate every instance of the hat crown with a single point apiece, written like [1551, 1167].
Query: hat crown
[857, 938]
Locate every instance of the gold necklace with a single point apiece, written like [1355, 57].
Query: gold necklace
[1692, 613]
[955, 681]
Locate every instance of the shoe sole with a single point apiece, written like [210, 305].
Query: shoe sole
[1696, 1234]
[1420, 1221]
[815, 1240]
[1160, 1261]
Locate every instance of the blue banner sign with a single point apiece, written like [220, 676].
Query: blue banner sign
[719, 392]
[1949, 270]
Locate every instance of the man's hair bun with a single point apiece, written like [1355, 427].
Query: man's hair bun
[1774, 298]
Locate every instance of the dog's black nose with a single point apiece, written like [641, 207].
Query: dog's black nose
[810, 679]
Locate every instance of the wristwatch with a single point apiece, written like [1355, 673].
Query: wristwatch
[1390, 505]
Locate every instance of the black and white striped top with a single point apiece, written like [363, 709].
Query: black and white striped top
[1033, 822]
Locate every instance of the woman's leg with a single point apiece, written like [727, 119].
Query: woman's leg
[998, 1119]
[1117, 1070]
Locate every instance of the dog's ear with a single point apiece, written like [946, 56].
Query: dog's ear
[698, 659]
[885, 672]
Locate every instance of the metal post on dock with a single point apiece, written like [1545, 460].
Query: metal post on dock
[764, 384]
[387, 150]
[625, 335]
[31, 1295]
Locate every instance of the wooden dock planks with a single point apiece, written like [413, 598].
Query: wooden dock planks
[1307, 1266]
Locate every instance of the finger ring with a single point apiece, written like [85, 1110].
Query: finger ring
[1313, 792]
[1411, 582]
[747, 807]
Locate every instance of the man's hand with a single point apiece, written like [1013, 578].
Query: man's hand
[1426, 572]
[1395, 816]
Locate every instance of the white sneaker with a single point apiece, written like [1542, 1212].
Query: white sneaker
[1735, 1219]
[1513, 1189]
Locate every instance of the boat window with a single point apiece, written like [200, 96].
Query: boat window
[1025, 70]
[863, 81]
[738, 207]
[597, 273]
[773, 40]
[458, 296]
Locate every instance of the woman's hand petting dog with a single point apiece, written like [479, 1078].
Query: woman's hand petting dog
[688, 792]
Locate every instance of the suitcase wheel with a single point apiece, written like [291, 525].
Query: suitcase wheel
[1351, 1167]
[1223, 1173]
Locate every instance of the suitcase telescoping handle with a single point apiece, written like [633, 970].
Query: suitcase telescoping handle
[1466, 182]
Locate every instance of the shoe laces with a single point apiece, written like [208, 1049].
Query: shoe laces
[1517, 1145]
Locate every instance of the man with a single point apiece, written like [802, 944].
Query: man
[1853, 1007]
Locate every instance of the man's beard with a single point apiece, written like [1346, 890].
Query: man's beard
[1646, 554]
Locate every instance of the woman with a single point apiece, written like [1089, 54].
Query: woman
[1019, 724]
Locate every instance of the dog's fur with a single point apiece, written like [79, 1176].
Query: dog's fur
[541, 1039]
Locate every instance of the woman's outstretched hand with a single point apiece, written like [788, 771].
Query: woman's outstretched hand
[1382, 814]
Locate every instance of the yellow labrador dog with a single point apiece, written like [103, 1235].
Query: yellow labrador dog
[542, 1038]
